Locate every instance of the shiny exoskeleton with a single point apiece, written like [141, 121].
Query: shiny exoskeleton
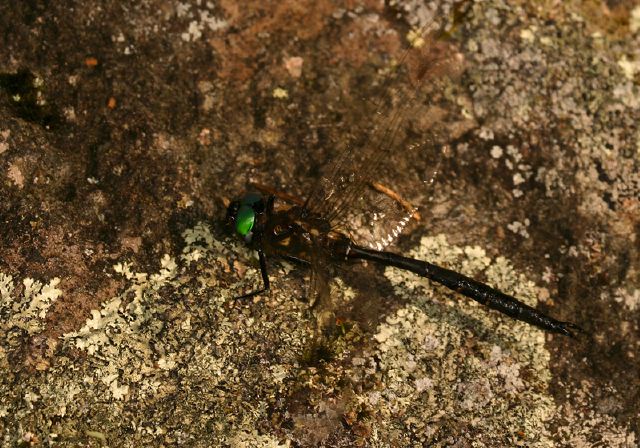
[296, 233]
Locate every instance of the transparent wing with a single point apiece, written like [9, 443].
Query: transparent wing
[319, 293]
[401, 128]
[379, 215]
[400, 136]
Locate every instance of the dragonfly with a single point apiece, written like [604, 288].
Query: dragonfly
[344, 219]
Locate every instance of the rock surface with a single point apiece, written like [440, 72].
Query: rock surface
[124, 128]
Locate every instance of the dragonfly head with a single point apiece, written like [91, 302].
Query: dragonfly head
[243, 215]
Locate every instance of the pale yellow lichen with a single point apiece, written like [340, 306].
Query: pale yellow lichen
[280, 93]
[6, 289]
[29, 311]
[634, 19]
[422, 350]
[415, 38]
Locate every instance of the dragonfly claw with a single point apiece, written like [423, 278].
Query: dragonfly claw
[253, 294]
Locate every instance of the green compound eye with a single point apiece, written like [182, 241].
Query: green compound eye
[245, 219]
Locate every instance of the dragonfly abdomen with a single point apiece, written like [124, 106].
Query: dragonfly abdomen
[468, 287]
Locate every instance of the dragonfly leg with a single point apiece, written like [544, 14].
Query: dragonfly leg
[270, 201]
[413, 211]
[296, 260]
[265, 278]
